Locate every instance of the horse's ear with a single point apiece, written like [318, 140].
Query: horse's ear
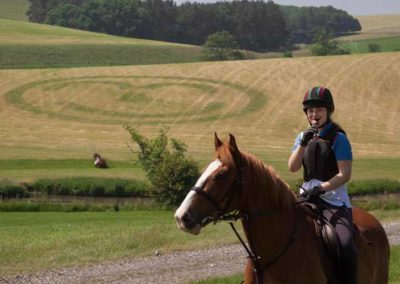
[232, 143]
[217, 141]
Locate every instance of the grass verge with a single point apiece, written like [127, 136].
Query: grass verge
[33, 242]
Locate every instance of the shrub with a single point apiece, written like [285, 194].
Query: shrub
[12, 190]
[167, 167]
[374, 47]
[221, 46]
[288, 54]
[88, 186]
[325, 44]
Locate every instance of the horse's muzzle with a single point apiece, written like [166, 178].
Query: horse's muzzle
[188, 223]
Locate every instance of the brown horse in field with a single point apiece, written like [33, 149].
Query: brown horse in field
[99, 162]
[281, 236]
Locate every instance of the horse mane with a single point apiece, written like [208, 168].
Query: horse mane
[275, 190]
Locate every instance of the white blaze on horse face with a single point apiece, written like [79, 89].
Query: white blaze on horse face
[210, 169]
[189, 198]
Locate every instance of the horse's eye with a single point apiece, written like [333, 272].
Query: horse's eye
[221, 174]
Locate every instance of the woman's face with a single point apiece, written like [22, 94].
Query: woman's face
[317, 116]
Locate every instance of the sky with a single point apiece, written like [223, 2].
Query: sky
[353, 7]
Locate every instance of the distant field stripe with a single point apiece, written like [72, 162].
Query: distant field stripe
[386, 44]
[45, 56]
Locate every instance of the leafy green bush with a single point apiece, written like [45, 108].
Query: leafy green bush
[13, 190]
[221, 46]
[288, 54]
[168, 168]
[325, 44]
[374, 47]
[88, 186]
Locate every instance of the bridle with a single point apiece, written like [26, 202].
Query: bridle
[222, 214]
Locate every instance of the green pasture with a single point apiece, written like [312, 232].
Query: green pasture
[386, 44]
[40, 241]
[13, 32]
[14, 9]
[28, 170]
[31, 45]
[394, 272]
[80, 55]
[32, 242]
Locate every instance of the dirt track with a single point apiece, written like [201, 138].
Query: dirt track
[181, 267]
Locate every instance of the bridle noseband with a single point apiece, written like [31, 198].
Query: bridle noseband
[222, 214]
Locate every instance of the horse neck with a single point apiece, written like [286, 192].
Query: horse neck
[270, 201]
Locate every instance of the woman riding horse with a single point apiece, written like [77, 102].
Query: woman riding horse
[325, 153]
[282, 242]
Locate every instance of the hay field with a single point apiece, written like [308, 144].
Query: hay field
[376, 26]
[71, 113]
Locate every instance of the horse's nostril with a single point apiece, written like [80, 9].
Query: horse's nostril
[186, 218]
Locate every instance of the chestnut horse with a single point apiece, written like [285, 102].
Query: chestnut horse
[282, 241]
[99, 162]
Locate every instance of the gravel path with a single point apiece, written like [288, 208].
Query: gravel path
[180, 267]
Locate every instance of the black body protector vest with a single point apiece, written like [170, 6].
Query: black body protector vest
[319, 160]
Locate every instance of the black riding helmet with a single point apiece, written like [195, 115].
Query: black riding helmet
[319, 97]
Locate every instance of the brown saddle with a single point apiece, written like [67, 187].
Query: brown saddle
[328, 240]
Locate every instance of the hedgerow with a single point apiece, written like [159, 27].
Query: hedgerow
[95, 187]
[77, 186]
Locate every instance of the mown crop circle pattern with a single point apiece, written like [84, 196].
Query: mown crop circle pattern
[144, 99]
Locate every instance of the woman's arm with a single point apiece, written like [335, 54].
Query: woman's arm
[295, 160]
[341, 178]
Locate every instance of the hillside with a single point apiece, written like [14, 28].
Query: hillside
[71, 113]
[14, 9]
[30, 45]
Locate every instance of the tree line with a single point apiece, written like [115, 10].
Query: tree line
[256, 25]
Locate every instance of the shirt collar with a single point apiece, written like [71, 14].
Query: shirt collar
[326, 129]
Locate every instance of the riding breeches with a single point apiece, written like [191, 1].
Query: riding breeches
[342, 220]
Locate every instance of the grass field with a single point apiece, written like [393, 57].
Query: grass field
[30, 45]
[386, 44]
[14, 9]
[40, 241]
[71, 113]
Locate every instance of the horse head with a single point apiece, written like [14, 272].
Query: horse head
[217, 191]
